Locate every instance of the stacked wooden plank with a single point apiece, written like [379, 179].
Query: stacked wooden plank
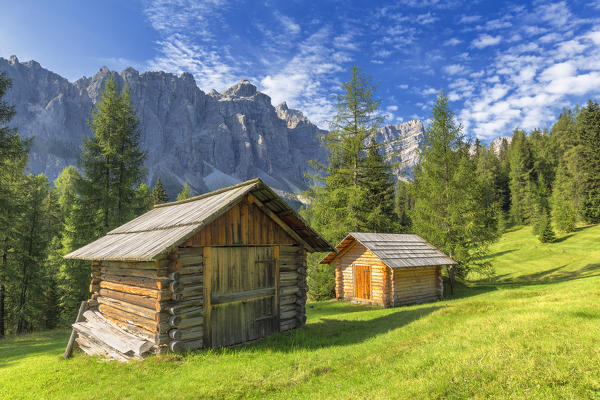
[96, 335]
[186, 318]
[131, 296]
[292, 287]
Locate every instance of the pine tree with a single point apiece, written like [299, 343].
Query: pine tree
[546, 234]
[404, 205]
[449, 209]
[588, 135]
[159, 195]
[567, 191]
[521, 187]
[13, 160]
[111, 159]
[185, 192]
[33, 237]
[378, 183]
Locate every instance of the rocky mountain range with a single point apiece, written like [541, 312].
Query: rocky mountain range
[209, 140]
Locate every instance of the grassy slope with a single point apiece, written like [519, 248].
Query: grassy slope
[533, 333]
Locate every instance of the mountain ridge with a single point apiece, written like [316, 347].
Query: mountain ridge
[210, 139]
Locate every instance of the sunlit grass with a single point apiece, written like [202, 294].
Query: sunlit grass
[532, 334]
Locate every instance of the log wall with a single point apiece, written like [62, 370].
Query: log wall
[292, 287]
[185, 307]
[417, 285]
[131, 295]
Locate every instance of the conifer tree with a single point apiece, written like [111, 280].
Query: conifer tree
[546, 234]
[111, 159]
[521, 187]
[13, 159]
[588, 135]
[337, 197]
[185, 192]
[404, 205]
[33, 237]
[377, 181]
[143, 199]
[159, 194]
[567, 191]
[449, 209]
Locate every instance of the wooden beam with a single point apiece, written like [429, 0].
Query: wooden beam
[274, 217]
[69, 350]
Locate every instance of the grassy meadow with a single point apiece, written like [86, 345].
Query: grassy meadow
[532, 332]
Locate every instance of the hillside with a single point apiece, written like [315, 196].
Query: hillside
[530, 333]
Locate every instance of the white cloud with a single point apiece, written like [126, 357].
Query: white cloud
[454, 69]
[452, 42]
[469, 19]
[425, 19]
[288, 23]
[486, 40]
[392, 108]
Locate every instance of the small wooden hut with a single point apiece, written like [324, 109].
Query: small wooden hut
[387, 269]
[214, 270]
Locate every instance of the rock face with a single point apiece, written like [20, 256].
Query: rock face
[497, 143]
[209, 140]
[402, 142]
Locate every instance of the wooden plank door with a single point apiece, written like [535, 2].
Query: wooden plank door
[240, 297]
[362, 281]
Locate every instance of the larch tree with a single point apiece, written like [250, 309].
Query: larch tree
[338, 200]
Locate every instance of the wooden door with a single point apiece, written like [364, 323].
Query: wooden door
[362, 281]
[241, 300]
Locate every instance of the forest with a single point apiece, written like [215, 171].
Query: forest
[464, 195]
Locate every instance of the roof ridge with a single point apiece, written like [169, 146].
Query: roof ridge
[209, 194]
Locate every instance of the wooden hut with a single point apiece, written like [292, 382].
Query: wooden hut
[214, 270]
[387, 269]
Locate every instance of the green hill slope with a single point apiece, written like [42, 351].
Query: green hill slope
[532, 333]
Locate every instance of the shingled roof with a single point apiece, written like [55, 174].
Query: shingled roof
[395, 250]
[154, 233]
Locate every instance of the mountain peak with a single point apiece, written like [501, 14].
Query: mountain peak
[242, 89]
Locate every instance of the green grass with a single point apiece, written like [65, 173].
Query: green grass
[534, 332]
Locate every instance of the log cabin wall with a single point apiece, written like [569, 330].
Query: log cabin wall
[357, 254]
[417, 285]
[132, 296]
[243, 225]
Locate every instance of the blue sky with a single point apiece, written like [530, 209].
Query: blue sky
[503, 64]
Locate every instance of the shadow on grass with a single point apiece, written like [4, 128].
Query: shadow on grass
[552, 275]
[563, 238]
[500, 253]
[338, 307]
[14, 348]
[338, 332]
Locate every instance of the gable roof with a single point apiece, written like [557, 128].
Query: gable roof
[395, 250]
[168, 225]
